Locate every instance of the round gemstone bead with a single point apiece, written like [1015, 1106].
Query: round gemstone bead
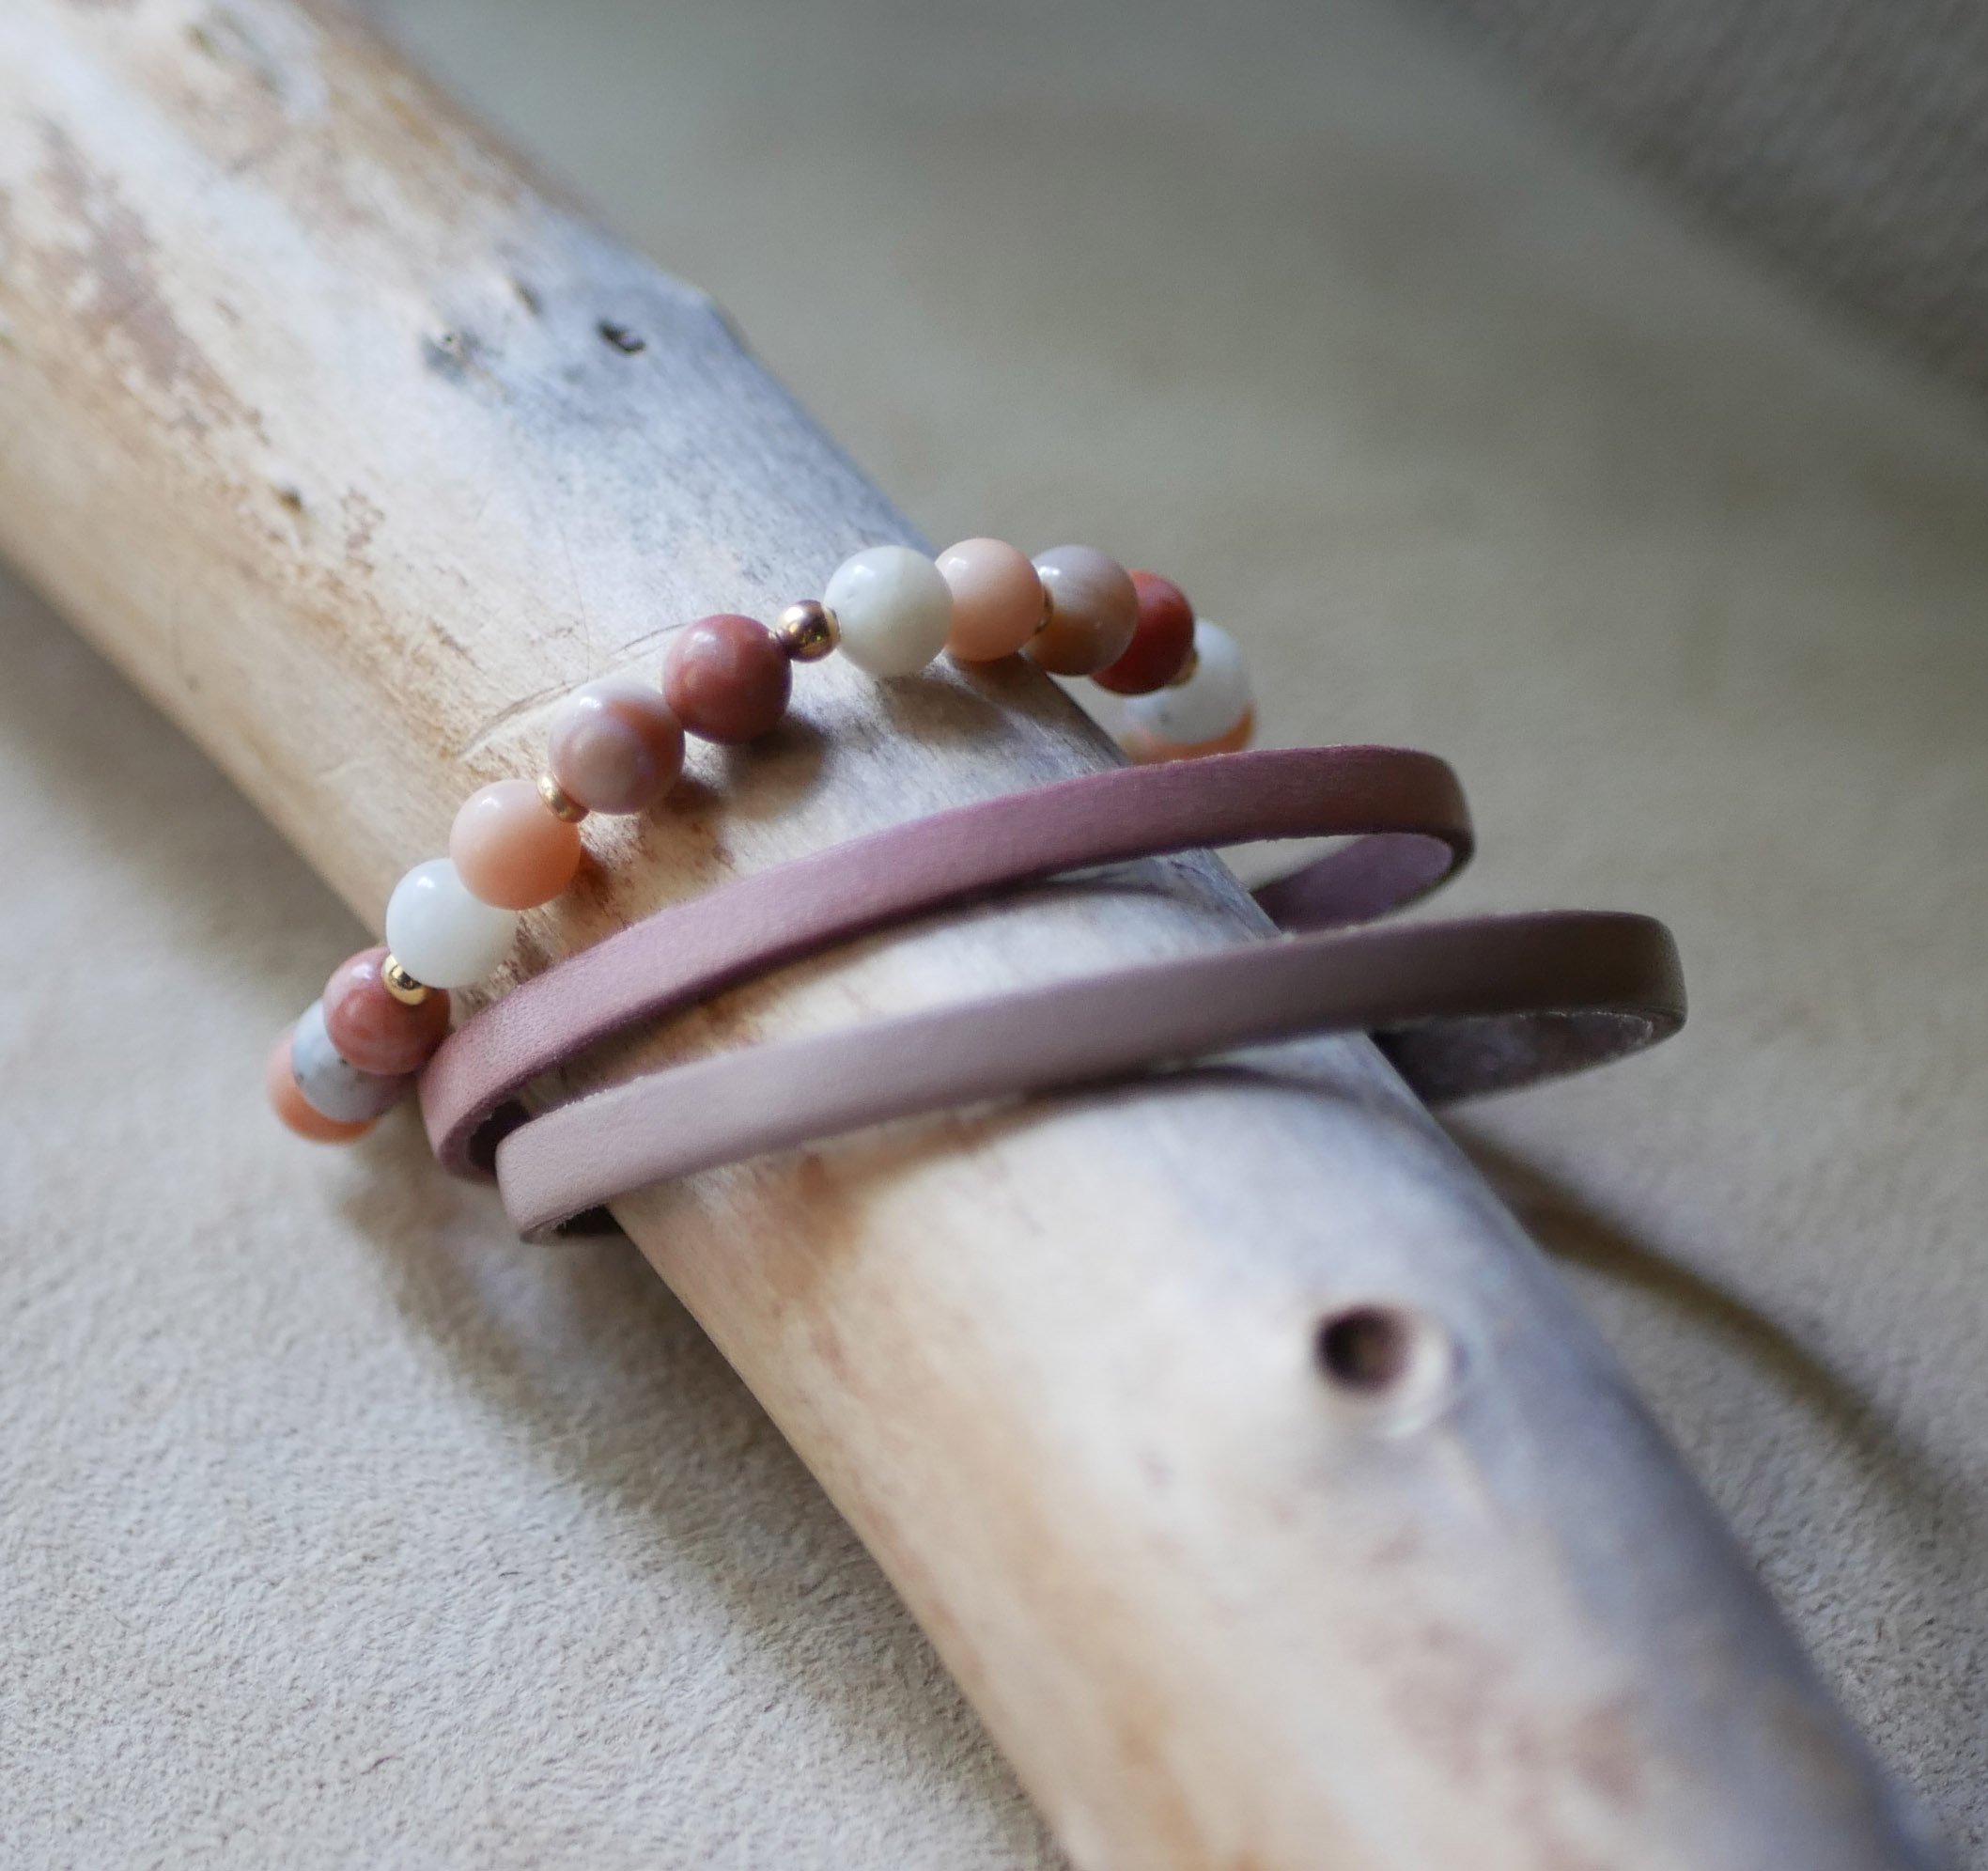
[1204, 712]
[1162, 639]
[510, 850]
[297, 1112]
[727, 678]
[893, 608]
[616, 746]
[373, 1030]
[1093, 611]
[1148, 751]
[998, 601]
[439, 933]
[331, 1085]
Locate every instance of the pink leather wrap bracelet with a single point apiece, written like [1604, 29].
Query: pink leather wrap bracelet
[1463, 1007]
[1404, 809]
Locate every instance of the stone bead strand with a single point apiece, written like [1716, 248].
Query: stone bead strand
[616, 748]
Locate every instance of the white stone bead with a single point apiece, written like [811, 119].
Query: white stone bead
[331, 1087]
[439, 933]
[1208, 704]
[893, 607]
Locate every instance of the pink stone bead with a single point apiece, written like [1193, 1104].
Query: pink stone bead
[510, 850]
[372, 1029]
[998, 600]
[297, 1112]
[727, 678]
[616, 746]
[1093, 611]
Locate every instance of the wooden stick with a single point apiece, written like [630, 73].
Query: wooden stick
[356, 449]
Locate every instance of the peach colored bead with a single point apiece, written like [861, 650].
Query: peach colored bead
[371, 1029]
[1093, 611]
[510, 850]
[1162, 640]
[295, 1110]
[997, 600]
[727, 678]
[616, 746]
[1148, 749]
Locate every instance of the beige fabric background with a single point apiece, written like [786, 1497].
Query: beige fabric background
[334, 1529]
[1847, 138]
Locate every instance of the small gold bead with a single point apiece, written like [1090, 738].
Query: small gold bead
[557, 803]
[1187, 670]
[402, 984]
[807, 630]
[1048, 609]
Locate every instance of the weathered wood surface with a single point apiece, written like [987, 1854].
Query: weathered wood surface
[356, 448]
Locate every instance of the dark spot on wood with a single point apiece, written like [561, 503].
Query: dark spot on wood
[622, 338]
[362, 518]
[449, 353]
[1364, 1348]
[290, 497]
[229, 39]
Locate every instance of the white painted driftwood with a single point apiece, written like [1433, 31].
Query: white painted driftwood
[355, 448]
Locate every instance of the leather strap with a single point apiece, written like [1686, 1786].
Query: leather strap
[1405, 808]
[1472, 1005]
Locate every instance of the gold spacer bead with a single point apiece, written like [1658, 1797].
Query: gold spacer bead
[557, 803]
[807, 630]
[402, 984]
[1049, 610]
[1187, 670]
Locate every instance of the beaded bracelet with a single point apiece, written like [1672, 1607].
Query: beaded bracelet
[617, 746]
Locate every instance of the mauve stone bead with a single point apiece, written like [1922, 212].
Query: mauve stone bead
[1162, 640]
[616, 746]
[295, 1110]
[1093, 611]
[726, 679]
[373, 1031]
[510, 850]
[997, 600]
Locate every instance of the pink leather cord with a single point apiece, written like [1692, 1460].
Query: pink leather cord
[1405, 810]
[1485, 1004]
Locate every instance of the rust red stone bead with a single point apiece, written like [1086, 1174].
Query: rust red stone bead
[1162, 639]
[727, 678]
[372, 1029]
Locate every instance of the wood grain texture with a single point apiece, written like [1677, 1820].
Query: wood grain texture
[357, 449]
